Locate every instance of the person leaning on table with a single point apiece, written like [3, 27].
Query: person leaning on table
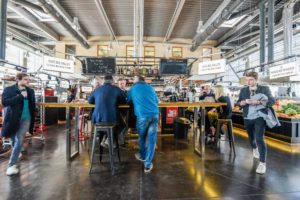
[107, 98]
[145, 102]
[254, 123]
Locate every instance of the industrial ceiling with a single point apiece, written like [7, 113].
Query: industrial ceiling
[47, 21]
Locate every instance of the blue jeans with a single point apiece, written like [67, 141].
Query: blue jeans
[147, 126]
[17, 141]
[256, 132]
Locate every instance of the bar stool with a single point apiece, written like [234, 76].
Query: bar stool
[108, 129]
[228, 123]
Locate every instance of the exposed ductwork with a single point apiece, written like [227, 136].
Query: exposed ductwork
[222, 17]
[67, 17]
[30, 18]
[52, 12]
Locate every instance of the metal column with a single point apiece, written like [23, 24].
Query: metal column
[262, 22]
[287, 14]
[270, 30]
[3, 9]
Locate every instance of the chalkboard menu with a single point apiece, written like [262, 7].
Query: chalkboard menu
[99, 66]
[173, 66]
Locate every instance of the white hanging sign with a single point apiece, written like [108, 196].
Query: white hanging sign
[58, 64]
[212, 67]
[284, 70]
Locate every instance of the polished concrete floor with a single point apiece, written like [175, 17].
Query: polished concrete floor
[178, 174]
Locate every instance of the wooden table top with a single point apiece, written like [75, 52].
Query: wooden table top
[160, 105]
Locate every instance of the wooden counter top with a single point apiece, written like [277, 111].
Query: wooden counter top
[161, 105]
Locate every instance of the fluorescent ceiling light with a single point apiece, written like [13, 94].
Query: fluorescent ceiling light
[231, 23]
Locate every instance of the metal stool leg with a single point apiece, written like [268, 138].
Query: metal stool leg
[111, 150]
[100, 146]
[93, 150]
[217, 136]
[231, 137]
[90, 139]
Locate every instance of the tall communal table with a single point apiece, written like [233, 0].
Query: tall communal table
[198, 129]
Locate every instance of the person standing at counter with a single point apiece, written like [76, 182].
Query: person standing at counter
[106, 99]
[122, 85]
[123, 112]
[254, 123]
[19, 106]
[70, 96]
[145, 103]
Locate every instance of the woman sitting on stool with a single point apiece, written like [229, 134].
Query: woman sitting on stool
[223, 112]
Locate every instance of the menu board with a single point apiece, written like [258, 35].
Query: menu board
[173, 66]
[99, 66]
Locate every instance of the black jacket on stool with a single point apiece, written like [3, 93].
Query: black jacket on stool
[12, 101]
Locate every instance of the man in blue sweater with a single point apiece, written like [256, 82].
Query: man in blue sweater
[145, 103]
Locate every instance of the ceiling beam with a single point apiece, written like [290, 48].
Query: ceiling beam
[29, 5]
[209, 28]
[244, 49]
[216, 14]
[57, 6]
[28, 30]
[25, 39]
[30, 18]
[244, 25]
[52, 12]
[174, 19]
[105, 19]
[11, 15]
[241, 25]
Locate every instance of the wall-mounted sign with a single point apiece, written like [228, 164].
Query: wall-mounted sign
[64, 84]
[58, 64]
[284, 70]
[86, 89]
[212, 67]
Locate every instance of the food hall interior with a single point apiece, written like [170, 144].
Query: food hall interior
[184, 50]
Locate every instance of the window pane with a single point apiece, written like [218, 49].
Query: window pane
[177, 52]
[102, 50]
[70, 51]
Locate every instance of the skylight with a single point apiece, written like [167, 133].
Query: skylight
[231, 23]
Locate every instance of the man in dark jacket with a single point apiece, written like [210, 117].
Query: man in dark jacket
[106, 99]
[254, 123]
[19, 106]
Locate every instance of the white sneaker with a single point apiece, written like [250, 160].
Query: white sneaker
[255, 153]
[261, 169]
[148, 169]
[12, 170]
